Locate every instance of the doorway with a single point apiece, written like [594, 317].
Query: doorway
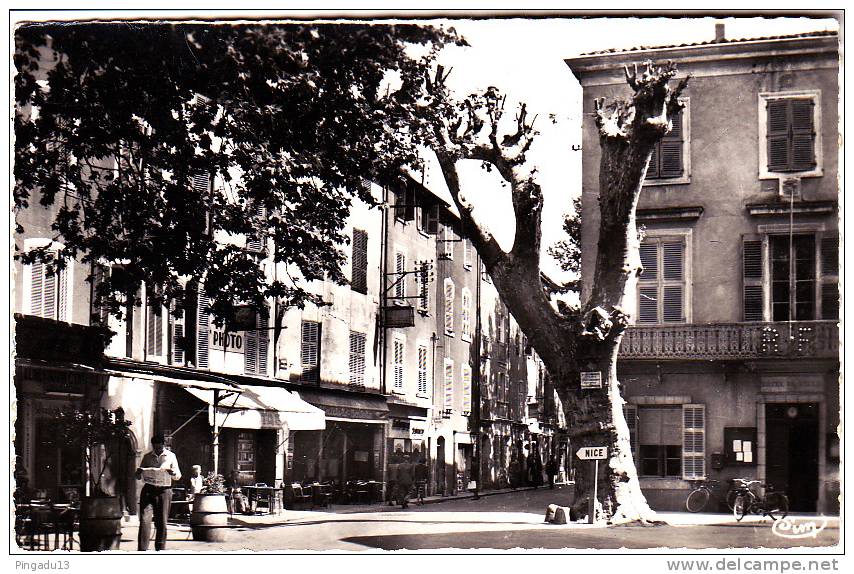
[440, 466]
[792, 452]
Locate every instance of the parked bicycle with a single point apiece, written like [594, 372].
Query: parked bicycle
[698, 499]
[772, 503]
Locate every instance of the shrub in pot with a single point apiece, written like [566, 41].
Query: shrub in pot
[209, 520]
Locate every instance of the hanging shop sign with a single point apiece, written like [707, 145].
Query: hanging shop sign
[231, 342]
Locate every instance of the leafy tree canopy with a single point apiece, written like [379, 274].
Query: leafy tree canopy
[120, 128]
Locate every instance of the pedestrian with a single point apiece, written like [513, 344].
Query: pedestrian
[196, 480]
[534, 469]
[156, 496]
[404, 481]
[551, 471]
[513, 471]
[419, 474]
[391, 480]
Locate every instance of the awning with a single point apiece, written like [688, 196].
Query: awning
[262, 408]
[186, 383]
[360, 408]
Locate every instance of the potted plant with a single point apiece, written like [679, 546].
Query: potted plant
[209, 519]
[95, 431]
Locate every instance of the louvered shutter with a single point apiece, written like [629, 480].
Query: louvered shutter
[753, 304]
[468, 255]
[778, 135]
[670, 150]
[466, 313]
[652, 171]
[398, 362]
[449, 385]
[448, 242]
[310, 352]
[649, 260]
[672, 301]
[263, 343]
[154, 334]
[431, 219]
[359, 279]
[803, 136]
[250, 352]
[693, 442]
[829, 273]
[648, 305]
[630, 412]
[62, 285]
[203, 332]
[255, 240]
[178, 342]
[37, 288]
[357, 359]
[830, 256]
[449, 306]
[465, 373]
[400, 278]
[422, 370]
[202, 187]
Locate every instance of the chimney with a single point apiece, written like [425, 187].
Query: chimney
[720, 36]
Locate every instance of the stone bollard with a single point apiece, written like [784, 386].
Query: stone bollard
[558, 514]
[550, 512]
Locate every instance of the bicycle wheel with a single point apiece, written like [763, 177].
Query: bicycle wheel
[742, 505]
[730, 498]
[776, 505]
[697, 500]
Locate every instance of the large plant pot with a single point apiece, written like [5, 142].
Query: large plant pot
[100, 524]
[209, 520]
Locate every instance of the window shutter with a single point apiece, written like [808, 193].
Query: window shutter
[37, 289]
[468, 255]
[201, 183]
[778, 135]
[62, 284]
[178, 336]
[422, 370]
[422, 280]
[203, 332]
[830, 256]
[672, 305]
[830, 301]
[255, 240]
[693, 442]
[449, 385]
[154, 334]
[398, 359]
[400, 278]
[448, 242]
[648, 305]
[465, 373]
[652, 172]
[359, 279]
[803, 136]
[466, 313]
[649, 260]
[672, 270]
[630, 412]
[250, 352]
[449, 306]
[431, 219]
[310, 352]
[753, 304]
[357, 359]
[670, 150]
[256, 347]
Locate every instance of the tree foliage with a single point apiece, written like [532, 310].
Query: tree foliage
[120, 128]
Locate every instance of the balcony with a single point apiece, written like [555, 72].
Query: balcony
[808, 340]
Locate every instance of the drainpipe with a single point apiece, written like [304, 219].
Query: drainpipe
[475, 391]
[383, 300]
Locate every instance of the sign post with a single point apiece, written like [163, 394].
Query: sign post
[594, 454]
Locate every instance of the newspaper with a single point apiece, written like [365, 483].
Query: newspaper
[156, 477]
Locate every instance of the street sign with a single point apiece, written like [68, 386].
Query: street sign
[591, 379]
[592, 452]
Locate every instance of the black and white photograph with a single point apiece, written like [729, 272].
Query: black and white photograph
[427, 282]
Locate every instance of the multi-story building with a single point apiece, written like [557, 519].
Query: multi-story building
[731, 367]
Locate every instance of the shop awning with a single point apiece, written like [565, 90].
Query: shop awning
[360, 408]
[259, 407]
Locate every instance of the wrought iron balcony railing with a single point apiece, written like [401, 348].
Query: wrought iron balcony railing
[802, 339]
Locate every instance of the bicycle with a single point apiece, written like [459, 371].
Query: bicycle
[702, 493]
[773, 504]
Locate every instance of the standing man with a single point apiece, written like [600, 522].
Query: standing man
[156, 495]
[404, 481]
[551, 471]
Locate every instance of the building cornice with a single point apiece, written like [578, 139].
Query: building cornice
[799, 208]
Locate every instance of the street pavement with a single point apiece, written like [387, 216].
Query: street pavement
[510, 520]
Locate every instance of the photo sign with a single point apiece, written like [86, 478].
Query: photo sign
[591, 379]
[230, 342]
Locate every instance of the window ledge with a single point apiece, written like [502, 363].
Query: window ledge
[664, 182]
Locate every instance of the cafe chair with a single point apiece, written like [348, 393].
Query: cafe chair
[300, 495]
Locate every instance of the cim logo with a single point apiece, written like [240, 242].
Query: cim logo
[790, 527]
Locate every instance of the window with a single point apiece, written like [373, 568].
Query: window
[246, 452]
[399, 277]
[310, 355]
[404, 204]
[430, 219]
[357, 358]
[661, 285]
[257, 343]
[178, 343]
[398, 355]
[449, 307]
[799, 282]
[255, 242]
[468, 253]
[668, 154]
[790, 134]
[448, 402]
[465, 375]
[660, 441]
[446, 247]
[49, 290]
[693, 441]
[359, 277]
[154, 326]
[422, 370]
[466, 314]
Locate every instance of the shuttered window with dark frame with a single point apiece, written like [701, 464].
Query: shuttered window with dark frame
[357, 359]
[830, 278]
[793, 277]
[310, 352]
[752, 290]
[661, 286]
[154, 326]
[404, 204]
[203, 331]
[359, 279]
[257, 343]
[791, 135]
[667, 161]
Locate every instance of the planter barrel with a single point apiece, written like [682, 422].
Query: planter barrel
[209, 520]
[100, 524]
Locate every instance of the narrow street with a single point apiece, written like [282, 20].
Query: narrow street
[505, 521]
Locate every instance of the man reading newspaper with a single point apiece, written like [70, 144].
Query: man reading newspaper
[157, 470]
